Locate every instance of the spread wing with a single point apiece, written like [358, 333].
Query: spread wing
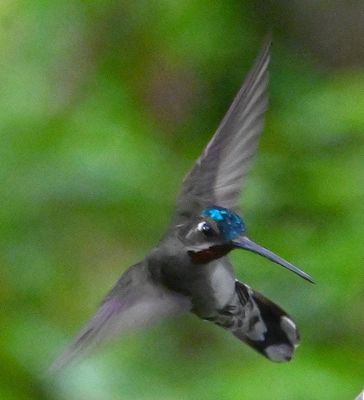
[134, 302]
[217, 176]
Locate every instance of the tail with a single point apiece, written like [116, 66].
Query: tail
[260, 323]
[265, 326]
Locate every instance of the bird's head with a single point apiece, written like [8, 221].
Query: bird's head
[217, 231]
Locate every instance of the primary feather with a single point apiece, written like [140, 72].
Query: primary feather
[217, 176]
[135, 301]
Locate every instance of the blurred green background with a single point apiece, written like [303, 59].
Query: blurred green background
[104, 105]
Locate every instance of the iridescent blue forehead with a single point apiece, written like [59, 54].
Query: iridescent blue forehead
[228, 222]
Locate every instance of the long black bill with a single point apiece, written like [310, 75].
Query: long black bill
[243, 242]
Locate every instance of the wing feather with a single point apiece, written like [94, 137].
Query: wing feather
[218, 174]
[134, 302]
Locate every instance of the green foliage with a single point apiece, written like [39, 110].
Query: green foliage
[103, 108]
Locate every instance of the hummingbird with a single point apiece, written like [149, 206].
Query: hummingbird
[189, 270]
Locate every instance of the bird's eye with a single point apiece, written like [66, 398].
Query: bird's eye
[206, 229]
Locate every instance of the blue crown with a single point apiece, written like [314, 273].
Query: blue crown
[228, 222]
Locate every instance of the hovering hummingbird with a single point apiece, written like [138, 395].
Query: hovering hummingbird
[189, 271]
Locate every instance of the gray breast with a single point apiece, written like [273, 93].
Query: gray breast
[222, 282]
[213, 287]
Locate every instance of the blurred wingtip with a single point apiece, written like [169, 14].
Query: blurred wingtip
[60, 363]
[70, 356]
[268, 38]
[266, 44]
